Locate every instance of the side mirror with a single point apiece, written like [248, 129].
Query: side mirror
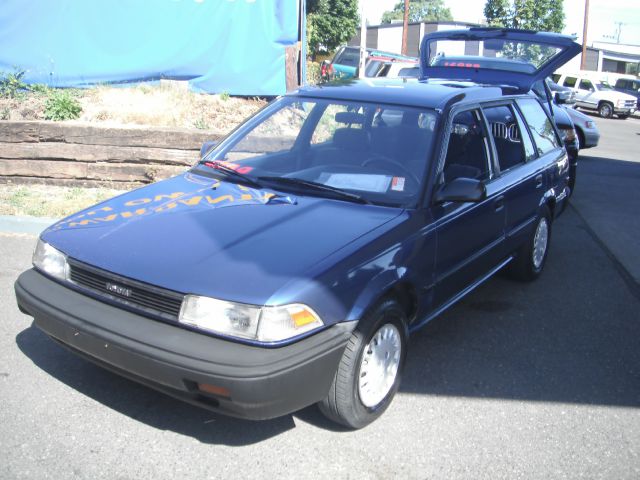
[461, 189]
[207, 147]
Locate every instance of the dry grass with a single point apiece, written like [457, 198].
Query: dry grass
[165, 106]
[158, 105]
[49, 201]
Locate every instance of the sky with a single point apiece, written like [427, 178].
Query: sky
[603, 15]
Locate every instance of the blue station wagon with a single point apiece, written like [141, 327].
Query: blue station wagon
[291, 264]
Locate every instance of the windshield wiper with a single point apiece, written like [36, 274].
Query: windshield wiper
[318, 187]
[230, 172]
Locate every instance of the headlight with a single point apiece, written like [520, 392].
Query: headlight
[50, 261]
[265, 324]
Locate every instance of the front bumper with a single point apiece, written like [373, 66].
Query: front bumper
[624, 110]
[262, 382]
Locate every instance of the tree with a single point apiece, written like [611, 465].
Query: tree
[497, 13]
[419, 11]
[543, 15]
[330, 23]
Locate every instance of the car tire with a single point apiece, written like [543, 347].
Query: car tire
[532, 255]
[605, 109]
[369, 372]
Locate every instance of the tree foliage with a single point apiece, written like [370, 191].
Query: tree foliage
[330, 23]
[419, 11]
[542, 15]
[497, 12]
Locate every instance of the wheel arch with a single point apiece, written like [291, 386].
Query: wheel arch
[389, 284]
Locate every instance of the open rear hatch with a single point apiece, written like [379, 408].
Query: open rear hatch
[495, 56]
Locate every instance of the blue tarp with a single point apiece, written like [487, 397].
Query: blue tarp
[234, 46]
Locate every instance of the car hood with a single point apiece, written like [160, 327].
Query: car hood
[614, 95]
[440, 55]
[194, 234]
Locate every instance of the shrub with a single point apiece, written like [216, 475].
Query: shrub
[61, 105]
[313, 73]
[11, 84]
[39, 89]
[224, 96]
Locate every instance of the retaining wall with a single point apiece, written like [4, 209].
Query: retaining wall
[90, 155]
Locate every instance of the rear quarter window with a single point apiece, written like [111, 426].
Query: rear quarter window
[542, 131]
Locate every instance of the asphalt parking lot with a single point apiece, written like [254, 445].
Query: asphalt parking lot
[519, 380]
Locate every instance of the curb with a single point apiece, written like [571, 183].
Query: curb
[24, 224]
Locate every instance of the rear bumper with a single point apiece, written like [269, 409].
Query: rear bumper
[261, 382]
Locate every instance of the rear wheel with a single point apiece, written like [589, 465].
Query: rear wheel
[369, 372]
[531, 257]
[605, 109]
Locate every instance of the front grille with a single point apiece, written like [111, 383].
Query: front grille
[142, 296]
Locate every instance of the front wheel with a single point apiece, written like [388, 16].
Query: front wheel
[531, 257]
[368, 375]
[605, 110]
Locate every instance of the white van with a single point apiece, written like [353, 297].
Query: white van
[593, 93]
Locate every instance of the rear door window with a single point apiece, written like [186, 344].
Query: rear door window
[586, 85]
[507, 136]
[542, 130]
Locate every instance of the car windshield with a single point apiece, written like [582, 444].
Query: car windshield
[375, 153]
[349, 57]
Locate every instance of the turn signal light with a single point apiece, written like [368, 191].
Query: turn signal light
[214, 390]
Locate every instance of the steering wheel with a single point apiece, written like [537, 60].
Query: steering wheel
[391, 166]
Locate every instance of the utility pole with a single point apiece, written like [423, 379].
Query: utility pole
[363, 41]
[583, 61]
[405, 27]
[618, 31]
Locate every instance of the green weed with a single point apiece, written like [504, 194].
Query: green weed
[61, 105]
[11, 84]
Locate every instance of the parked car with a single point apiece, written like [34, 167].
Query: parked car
[390, 68]
[290, 264]
[595, 94]
[585, 127]
[561, 94]
[629, 85]
[345, 62]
